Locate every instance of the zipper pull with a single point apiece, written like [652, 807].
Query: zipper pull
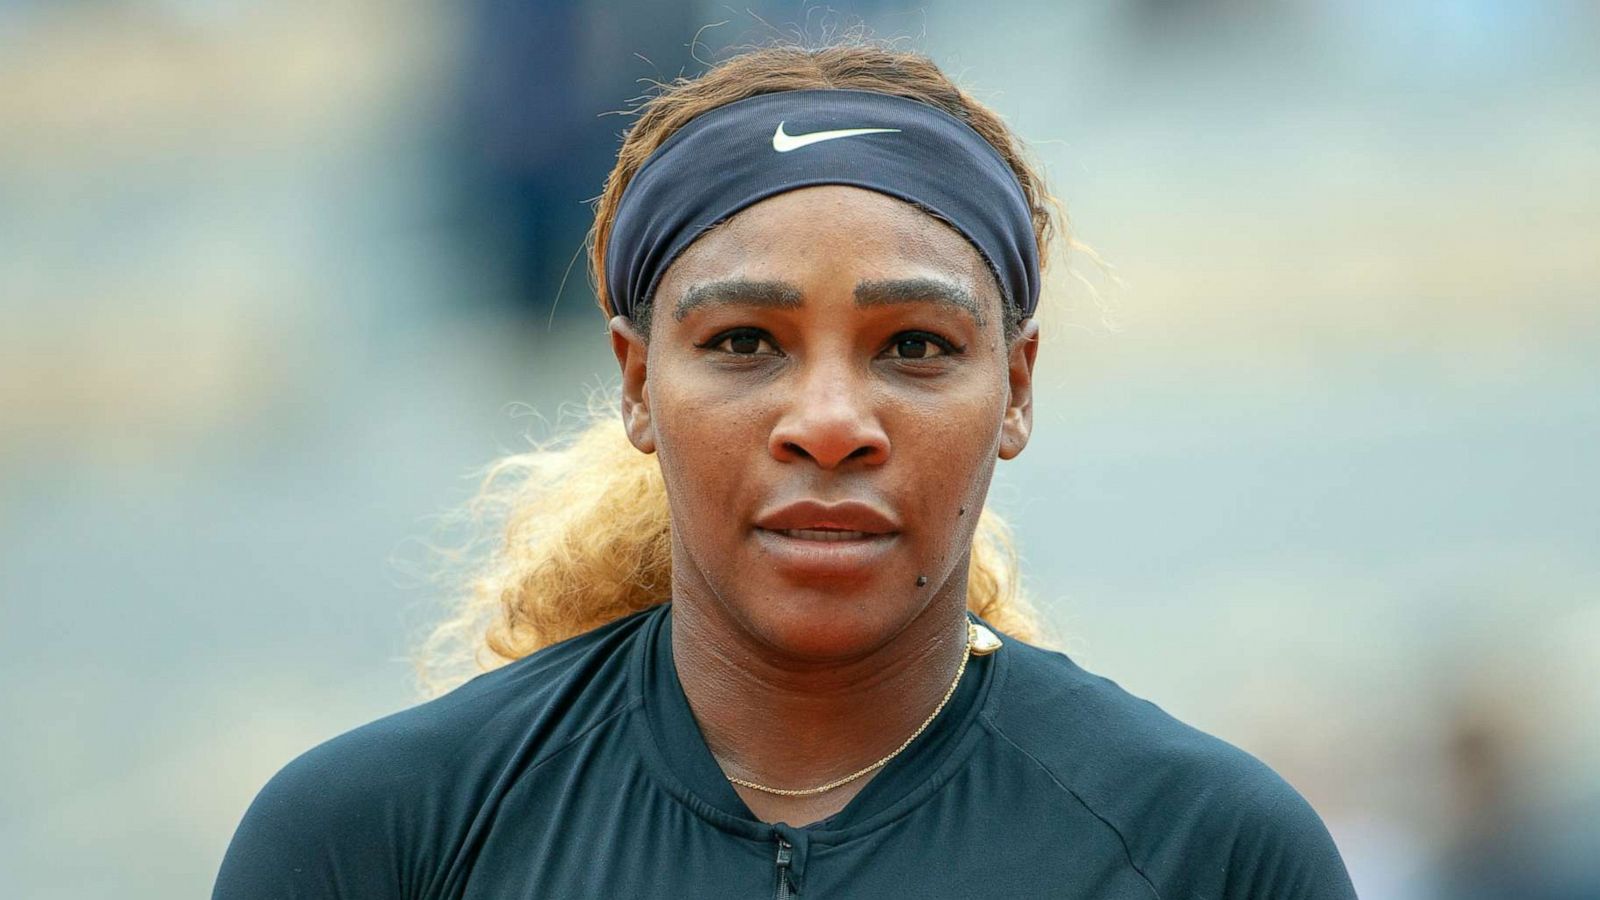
[786, 887]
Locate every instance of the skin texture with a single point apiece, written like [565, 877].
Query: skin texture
[834, 372]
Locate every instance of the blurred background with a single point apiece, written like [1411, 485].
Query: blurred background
[277, 279]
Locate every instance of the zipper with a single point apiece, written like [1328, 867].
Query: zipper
[785, 886]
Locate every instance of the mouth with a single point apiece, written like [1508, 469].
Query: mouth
[826, 535]
[804, 555]
[812, 539]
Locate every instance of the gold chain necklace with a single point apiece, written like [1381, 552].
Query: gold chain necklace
[980, 642]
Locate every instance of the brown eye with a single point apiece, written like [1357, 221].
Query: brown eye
[912, 348]
[919, 345]
[742, 342]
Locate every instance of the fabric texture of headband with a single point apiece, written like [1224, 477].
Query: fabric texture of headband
[744, 152]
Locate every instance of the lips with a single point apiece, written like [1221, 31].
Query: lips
[811, 539]
[806, 516]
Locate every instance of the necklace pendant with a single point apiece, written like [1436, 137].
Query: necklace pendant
[980, 640]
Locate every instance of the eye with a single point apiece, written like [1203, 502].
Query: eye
[919, 345]
[742, 342]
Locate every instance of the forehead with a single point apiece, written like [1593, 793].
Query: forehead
[832, 230]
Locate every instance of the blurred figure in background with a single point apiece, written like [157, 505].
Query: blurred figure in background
[534, 145]
[541, 89]
[1523, 798]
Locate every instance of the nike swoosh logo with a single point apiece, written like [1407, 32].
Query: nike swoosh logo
[783, 143]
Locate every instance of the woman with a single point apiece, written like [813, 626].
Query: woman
[821, 269]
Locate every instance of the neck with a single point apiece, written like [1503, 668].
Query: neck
[791, 723]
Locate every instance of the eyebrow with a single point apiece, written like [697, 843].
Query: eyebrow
[782, 295]
[739, 292]
[914, 290]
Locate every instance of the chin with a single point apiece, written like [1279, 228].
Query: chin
[832, 620]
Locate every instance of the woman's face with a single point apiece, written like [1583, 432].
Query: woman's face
[828, 385]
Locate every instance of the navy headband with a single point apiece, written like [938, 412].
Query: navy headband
[739, 154]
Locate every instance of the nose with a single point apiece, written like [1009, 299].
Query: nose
[830, 420]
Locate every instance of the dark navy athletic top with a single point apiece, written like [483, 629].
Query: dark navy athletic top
[579, 771]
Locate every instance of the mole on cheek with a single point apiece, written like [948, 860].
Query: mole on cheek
[922, 580]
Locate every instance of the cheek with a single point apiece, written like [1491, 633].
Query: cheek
[946, 447]
[705, 439]
[959, 424]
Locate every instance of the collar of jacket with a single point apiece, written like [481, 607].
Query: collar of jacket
[676, 753]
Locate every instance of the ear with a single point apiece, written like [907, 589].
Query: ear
[633, 357]
[1018, 423]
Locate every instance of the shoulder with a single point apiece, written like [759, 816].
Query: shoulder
[525, 709]
[1189, 807]
[359, 808]
[534, 703]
